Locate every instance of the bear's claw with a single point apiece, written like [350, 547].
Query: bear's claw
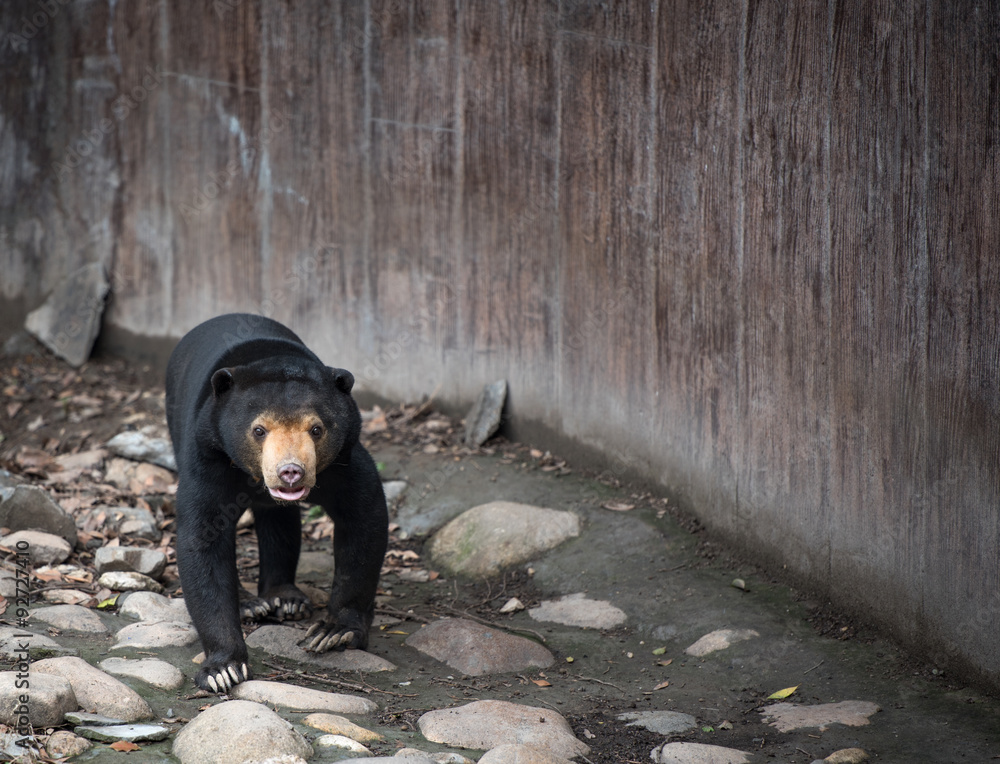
[224, 679]
[329, 638]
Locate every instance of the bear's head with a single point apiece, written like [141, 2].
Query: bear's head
[284, 422]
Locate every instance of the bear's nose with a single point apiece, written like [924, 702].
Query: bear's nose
[290, 474]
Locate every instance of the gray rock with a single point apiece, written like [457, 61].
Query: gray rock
[152, 671]
[95, 690]
[125, 521]
[143, 448]
[11, 748]
[152, 607]
[697, 753]
[315, 565]
[71, 618]
[475, 649]
[63, 744]
[50, 697]
[294, 698]
[786, 717]
[20, 344]
[393, 490]
[282, 641]
[660, 722]
[253, 733]
[484, 417]
[42, 548]
[486, 724]
[577, 610]
[68, 322]
[8, 584]
[338, 725]
[719, 640]
[10, 480]
[520, 753]
[127, 581]
[132, 733]
[41, 646]
[27, 507]
[847, 756]
[146, 636]
[149, 562]
[78, 718]
[486, 539]
[341, 743]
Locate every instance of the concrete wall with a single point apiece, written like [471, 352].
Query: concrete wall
[747, 250]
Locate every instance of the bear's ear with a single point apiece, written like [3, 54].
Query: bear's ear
[342, 378]
[222, 380]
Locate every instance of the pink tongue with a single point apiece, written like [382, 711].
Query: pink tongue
[286, 494]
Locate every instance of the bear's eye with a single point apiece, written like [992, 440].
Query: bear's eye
[316, 430]
[259, 432]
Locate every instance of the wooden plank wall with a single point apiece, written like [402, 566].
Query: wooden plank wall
[747, 250]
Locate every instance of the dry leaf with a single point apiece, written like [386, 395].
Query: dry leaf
[782, 694]
[124, 746]
[542, 682]
[667, 662]
[662, 685]
[618, 506]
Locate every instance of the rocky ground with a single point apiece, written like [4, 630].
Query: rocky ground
[528, 612]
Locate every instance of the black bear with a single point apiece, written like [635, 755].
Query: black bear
[258, 421]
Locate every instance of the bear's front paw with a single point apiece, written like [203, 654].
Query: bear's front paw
[254, 608]
[334, 636]
[222, 677]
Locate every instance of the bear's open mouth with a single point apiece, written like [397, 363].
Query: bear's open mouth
[289, 494]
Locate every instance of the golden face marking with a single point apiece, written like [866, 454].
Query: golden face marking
[287, 452]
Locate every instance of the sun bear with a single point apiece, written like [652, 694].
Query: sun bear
[259, 422]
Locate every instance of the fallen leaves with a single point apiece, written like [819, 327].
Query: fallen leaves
[782, 694]
[124, 746]
[618, 506]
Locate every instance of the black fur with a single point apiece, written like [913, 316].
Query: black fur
[220, 376]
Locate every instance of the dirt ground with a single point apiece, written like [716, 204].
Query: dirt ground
[657, 564]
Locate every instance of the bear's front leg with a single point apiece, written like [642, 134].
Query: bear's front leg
[206, 560]
[360, 537]
[279, 536]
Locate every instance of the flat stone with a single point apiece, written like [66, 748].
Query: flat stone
[27, 507]
[51, 697]
[521, 753]
[127, 581]
[124, 521]
[484, 540]
[343, 743]
[41, 646]
[65, 596]
[139, 477]
[442, 757]
[338, 725]
[132, 733]
[134, 559]
[143, 447]
[42, 548]
[786, 717]
[68, 322]
[71, 618]
[152, 671]
[251, 733]
[577, 610]
[719, 640]
[78, 718]
[698, 753]
[282, 641]
[146, 636]
[475, 649]
[294, 698]
[486, 724]
[660, 722]
[63, 744]
[847, 756]
[484, 417]
[152, 607]
[95, 690]
[11, 748]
